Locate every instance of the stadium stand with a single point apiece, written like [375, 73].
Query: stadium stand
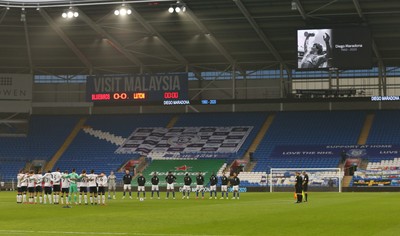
[385, 128]
[381, 170]
[46, 134]
[378, 174]
[9, 169]
[253, 179]
[308, 128]
[89, 151]
[254, 119]
[94, 146]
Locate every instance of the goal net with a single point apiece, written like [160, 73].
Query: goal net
[320, 179]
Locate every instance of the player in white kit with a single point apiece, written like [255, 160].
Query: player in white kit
[65, 188]
[47, 179]
[20, 177]
[31, 186]
[24, 186]
[56, 185]
[92, 177]
[83, 187]
[38, 187]
[102, 183]
[112, 184]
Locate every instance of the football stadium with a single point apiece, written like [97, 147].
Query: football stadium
[199, 117]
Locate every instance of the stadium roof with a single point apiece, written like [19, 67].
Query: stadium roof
[210, 35]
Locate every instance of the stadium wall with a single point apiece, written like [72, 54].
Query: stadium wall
[64, 108]
[69, 98]
[370, 189]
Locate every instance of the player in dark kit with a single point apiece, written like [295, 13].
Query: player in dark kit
[154, 185]
[305, 185]
[235, 181]
[298, 187]
[127, 179]
[170, 178]
[141, 180]
[213, 185]
[200, 183]
[186, 187]
[224, 186]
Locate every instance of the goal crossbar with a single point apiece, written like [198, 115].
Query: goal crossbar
[274, 170]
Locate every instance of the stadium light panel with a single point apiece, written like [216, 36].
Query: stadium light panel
[178, 7]
[122, 11]
[70, 13]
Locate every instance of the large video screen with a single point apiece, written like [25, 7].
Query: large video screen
[344, 48]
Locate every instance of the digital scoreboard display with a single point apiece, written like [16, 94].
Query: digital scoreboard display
[341, 48]
[208, 102]
[140, 88]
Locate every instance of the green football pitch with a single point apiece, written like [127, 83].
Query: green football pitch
[254, 214]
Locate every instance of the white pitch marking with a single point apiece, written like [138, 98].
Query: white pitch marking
[100, 233]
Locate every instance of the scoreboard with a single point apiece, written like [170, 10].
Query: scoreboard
[139, 88]
[134, 96]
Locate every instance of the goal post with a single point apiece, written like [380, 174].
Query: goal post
[320, 179]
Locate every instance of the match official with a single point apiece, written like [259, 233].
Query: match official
[305, 185]
[298, 187]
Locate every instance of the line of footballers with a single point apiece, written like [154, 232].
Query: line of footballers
[55, 187]
[186, 189]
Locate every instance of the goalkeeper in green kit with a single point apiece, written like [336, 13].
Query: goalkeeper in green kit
[73, 188]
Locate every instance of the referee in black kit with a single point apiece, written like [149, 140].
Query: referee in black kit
[305, 185]
[299, 187]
